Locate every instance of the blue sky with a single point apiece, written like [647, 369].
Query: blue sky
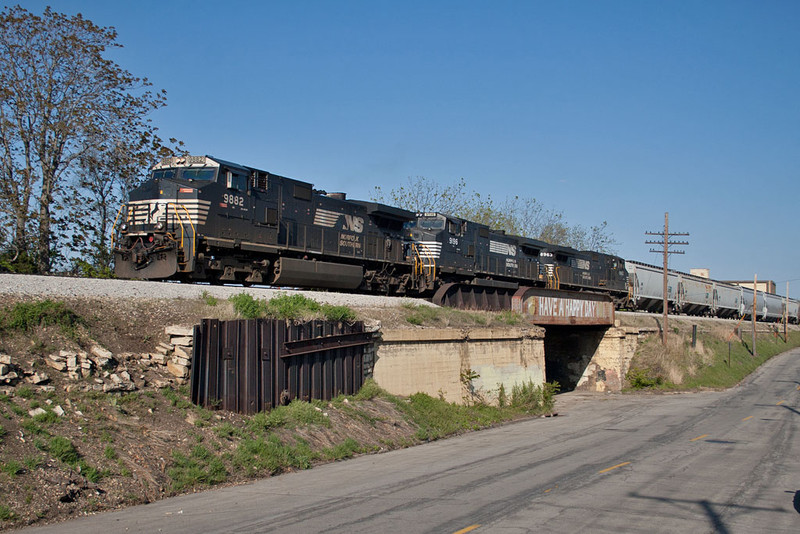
[605, 110]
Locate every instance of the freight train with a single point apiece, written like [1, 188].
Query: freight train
[200, 218]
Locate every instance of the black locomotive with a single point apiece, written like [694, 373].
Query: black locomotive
[204, 219]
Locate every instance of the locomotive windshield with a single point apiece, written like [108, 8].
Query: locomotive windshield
[431, 224]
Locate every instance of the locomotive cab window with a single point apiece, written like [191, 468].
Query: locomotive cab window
[236, 181]
[164, 174]
[561, 258]
[431, 224]
[199, 175]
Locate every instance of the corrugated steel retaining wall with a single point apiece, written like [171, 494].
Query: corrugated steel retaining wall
[253, 365]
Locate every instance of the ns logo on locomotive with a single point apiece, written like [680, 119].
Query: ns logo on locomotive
[199, 218]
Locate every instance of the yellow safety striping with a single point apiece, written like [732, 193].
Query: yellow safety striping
[612, 468]
[467, 529]
[779, 403]
[748, 417]
[699, 437]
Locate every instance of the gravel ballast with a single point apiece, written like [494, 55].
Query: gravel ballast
[57, 286]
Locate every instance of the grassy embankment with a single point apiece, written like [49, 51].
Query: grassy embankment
[719, 360]
[103, 438]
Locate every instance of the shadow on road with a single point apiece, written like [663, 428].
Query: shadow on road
[710, 508]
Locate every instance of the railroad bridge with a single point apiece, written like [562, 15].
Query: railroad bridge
[566, 337]
[569, 337]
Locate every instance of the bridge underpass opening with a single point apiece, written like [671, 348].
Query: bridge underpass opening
[568, 351]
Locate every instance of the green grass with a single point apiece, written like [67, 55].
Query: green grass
[24, 316]
[534, 399]
[297, 413]
[291, 307]
[12, 468]
[346, 449]
[7, 514]
[48, 417]
[419, 315]
[228, 431]
[270, 455]
[436, 418]
[64, 450]
[722, 374]
[176, 398]
[719, 370]
[369, 390]
[201, 467]
[26, 392]
[209, 299]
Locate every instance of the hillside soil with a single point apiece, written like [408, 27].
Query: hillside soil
[124, 432]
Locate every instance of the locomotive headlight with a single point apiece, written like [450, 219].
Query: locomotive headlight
[123, 228]
[159, 226]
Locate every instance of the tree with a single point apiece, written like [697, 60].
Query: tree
[64, 107]
[517, 215]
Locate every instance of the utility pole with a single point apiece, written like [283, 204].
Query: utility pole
[755, 295]
[665, 244]
[786, 316]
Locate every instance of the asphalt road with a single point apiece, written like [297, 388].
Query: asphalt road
[698, 462]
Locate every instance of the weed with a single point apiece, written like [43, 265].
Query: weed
[271, 455]
[6, 513]
[33, 462]
[534, 399]
[64, 450]
[341, 314]
[110, 453]
[12, 468]
[209, 299]
[26, 392]
[509, 317]
[369, 390]
[421, 314]
[346, 449]
[641, 378]
[48, 417]
[436, 418]
[228, 431]
[32, 427]
[200, 467]
[297, 413]
[247, 307]
[175, 398]
[24, 316]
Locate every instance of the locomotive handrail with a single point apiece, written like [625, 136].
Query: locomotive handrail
[553, 279]
[419, 265]
[114, 226]
[174, 205]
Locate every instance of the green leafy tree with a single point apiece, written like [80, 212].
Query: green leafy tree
[523, 216]
[67, 114]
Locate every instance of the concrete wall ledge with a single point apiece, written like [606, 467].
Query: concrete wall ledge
[449, 335]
